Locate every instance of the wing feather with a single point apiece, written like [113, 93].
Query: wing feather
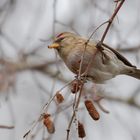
[121, 57]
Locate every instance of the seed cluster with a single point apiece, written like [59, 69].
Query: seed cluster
[59, 97]
[49, 123]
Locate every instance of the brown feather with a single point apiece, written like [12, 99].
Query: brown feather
[122, 58]
[135, 74]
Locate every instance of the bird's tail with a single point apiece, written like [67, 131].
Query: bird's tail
[135, 73]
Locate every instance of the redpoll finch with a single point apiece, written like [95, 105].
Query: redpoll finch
[96, 64]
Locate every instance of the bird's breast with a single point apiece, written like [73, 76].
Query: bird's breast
[79, 57]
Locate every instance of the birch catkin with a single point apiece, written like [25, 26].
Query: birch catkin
[49, 123]
[92, 110]
[81, 130]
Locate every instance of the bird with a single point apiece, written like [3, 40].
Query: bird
[96, 63]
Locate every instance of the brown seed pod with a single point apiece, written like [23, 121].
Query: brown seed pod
[75, 86]
[92, 110]
[49, 123]
[59, 97]
[81, 130]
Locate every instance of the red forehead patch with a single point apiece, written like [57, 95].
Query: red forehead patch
[59, 35]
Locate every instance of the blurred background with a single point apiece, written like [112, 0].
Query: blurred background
[30, 73]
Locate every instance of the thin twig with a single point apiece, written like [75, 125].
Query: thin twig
[96, 30]
[6, 127]
[103, 36]
[86, 43]
[45, 107]
[54, 16]
[110, 22]
[75, 109]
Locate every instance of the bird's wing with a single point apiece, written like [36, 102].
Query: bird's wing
[122, 58]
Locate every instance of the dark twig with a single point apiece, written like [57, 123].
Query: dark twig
[104, 34]
[74, 111]
[96, 30]
[54, 16]
[6, 127]
[110, 22]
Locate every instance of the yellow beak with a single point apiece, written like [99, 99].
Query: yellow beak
[54, 45]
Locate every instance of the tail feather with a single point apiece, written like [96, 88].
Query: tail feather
[135, 74]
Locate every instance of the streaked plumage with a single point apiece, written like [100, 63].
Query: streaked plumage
[102, 65]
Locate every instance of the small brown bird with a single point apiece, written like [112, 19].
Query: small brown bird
[98, 65]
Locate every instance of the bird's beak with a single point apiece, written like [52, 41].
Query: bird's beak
[54, 45]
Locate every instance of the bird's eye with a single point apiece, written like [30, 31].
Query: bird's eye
[59, 35]
[59, 39]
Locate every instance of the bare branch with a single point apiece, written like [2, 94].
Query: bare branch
[6, 127]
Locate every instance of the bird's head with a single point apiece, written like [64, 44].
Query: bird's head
[62, 41]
